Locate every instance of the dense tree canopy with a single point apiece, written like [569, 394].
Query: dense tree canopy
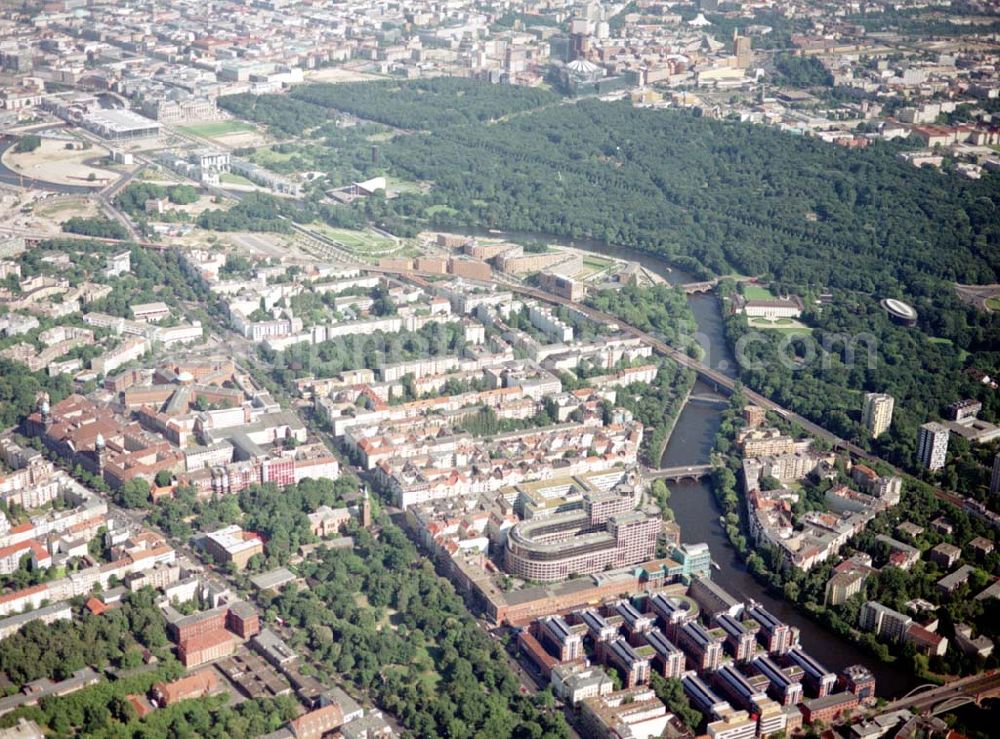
[133, 198]
[380, 616]
[255, 212]
[99, 227]
[855, 348]
[59, 649]
[284, 115]
[722, 195]
[425, 104]
[803, 71]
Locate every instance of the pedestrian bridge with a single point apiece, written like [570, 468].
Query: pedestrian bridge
[691, 472]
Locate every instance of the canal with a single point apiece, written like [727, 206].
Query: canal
[693, 503]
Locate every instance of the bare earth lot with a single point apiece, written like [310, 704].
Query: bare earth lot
[53, 162]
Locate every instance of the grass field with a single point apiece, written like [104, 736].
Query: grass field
[756, 292]
[790, 330]
[784, 325]
[396, 184]
[266, 156]
[230, 178]
[593, 266]
[362, 243]
[993, 303]
[596, 263]
[66, 208]
[212, 129]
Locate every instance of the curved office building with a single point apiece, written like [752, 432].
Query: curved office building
[565, 544]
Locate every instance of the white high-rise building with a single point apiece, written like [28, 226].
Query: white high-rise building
[877, 413]
[932, 445]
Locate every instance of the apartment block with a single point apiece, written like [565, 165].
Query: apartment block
[932, 445]
[876, 413]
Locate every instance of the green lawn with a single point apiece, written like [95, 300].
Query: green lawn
[756, 292]
[360, 242]
[593, 266]
[596, 263]
[993, 303]
[265, 156]
[396, 184]
[231, 178]
[784, 325]
[790, 330]
[211, 129]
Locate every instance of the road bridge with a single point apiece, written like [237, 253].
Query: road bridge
[683, 473]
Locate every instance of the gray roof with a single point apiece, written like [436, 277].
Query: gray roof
[272, 646]
[273, 579]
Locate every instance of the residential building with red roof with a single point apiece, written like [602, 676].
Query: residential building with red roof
[196, 685]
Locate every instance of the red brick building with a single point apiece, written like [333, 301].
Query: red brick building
[828, 708]
[197, 685]
[206, 647]
[531, 647]
[197, 624]
[243, 620]
[316, 723]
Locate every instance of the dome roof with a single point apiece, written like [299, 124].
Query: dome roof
[582, 66]
[899, 308]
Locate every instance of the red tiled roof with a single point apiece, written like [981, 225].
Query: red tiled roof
[141, 707]
[17, 594]
[193, 686]
[318, 722]
[206, 640]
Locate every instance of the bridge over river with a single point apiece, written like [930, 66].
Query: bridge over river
[679, 474]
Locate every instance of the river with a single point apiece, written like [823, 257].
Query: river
[693, 503]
